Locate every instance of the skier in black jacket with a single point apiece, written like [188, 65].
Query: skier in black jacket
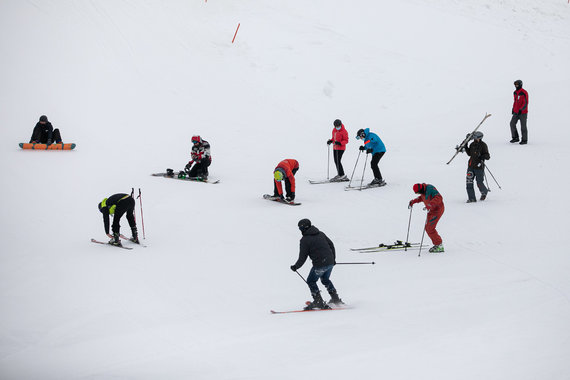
[316, 245]
[117, 205]
[478, 152]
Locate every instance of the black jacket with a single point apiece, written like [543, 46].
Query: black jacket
[477, 151]
[42, 132]
[316, 245]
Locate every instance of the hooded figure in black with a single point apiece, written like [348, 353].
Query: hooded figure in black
[44, 133]
[478, 152]
[118, 205]
[316, 245]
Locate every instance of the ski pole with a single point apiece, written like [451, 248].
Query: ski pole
[423, 233]
[371, 262]
[328, 161]
[363, 170]
[486, 167]
[486, 180]
[142, 218]
[353, 170]
[408, 234]
[302, 277]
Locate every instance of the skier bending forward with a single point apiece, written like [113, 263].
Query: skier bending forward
[434, 205]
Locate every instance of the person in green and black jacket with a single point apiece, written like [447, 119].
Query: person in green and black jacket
[118, 205]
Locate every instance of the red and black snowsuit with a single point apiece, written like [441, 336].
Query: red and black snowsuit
[289, 167]
[520, 112]
[339, 141]
[434, 204]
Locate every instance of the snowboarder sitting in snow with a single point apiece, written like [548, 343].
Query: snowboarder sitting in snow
[316, 245]
[201, 158]
[285, 171]
[434, 205]
[478, 152]
[374, 145]
[339, 139]
[44, 133]
[117, 205]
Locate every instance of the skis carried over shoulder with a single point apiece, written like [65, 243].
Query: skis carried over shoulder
[461, 147]
[102, 242]
[279, 200]
[397, 246]
[332, 307]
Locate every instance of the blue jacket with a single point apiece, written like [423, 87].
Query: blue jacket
[372, 141]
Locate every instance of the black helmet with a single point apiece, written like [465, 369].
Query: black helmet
[304, 224]
[360, 134]
[478, 135]
[518, 83]
[43, 118]
[337, 123]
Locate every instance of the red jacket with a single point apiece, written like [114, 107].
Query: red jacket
[289, 165]
[521, 101]
[341, 136]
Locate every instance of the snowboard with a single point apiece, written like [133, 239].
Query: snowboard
[56, 146]
[279, 200]
[189, 179]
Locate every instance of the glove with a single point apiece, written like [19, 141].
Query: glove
[49, 141]
[291, 197]
[329, 142]
[362, 147]
[368, 150]
[519, 112]
[427, 208]
[411, 204]
[337, 143]
[188, 166]
[293, 268]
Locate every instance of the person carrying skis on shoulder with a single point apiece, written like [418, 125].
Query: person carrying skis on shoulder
[285, 171]
[433, 202]
[478, 152]
[316, 245]
[44, 133]
[373, 145]
[339, 139]
[200, 157]
[118, 205]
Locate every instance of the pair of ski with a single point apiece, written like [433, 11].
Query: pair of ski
[190, 179]
[332, 307]
[347, 188]
[112, 245]
[397, 246]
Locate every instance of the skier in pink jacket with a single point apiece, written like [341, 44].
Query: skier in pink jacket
[339, 139]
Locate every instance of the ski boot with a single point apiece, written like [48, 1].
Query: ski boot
[169, 173]
[135, 238]
[377, 182]
[437, 248]
[471, 200]
[181, 174]
[483, 197]
[342, 178]
[115, 240]
[318, 303]
[335, 299]
[335, 178]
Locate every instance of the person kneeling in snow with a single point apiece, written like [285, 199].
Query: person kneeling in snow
[316, 245]
[44, 133]
[117, 205]
[285, 171]
[201, 158]
[434, 205]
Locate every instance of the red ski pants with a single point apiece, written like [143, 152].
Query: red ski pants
[432, 219]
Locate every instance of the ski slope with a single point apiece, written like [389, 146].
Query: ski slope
[131, 82]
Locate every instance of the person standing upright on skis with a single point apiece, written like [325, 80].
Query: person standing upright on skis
[374, 145]
[118, 205]
[285, 171]
[433, 202]
[316, 245]
[339, 139]
[478, 152]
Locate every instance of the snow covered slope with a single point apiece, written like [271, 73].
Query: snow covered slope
[131, 82]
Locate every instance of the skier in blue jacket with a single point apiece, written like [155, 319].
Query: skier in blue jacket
[374, 145]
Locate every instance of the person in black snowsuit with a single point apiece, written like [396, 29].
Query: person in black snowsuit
[478, 152]
[316, 245]
[201, 158]
[118, 205]
[44, 133]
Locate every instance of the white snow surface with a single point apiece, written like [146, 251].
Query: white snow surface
[131, 81]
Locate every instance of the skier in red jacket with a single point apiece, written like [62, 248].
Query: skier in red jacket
[339, 139]
[520, 112]
[285, 171]
[434, 205]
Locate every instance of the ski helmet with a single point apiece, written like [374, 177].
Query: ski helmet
[337, 123]
[304, 225]
[360, 134]
[196, 140]
[279, 174]
[478, 135]
[419, 188]
[43, 118]
[518, 83]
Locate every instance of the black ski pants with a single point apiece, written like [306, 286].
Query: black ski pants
[337, 156]
[524, 131]
[125, 206]
[374, 164]
[200, 169]
[477, 174]
[43, 134]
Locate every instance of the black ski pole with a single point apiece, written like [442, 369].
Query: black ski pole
[353, 170]
[302, 277]
[142, 217]
[328, 161]
[486, 167]
[409, 222]
[423, 233]
[486, 180]
[363, 170]
[368, 263]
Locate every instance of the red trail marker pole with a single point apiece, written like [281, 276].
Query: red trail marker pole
[235, 34]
